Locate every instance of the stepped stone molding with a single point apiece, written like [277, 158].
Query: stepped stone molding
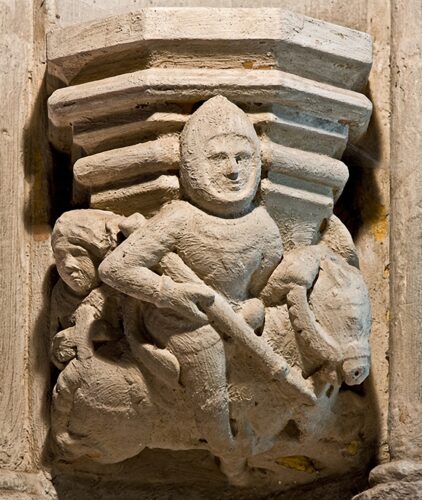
[285, 125]
[169, 36]
[127, 163]
[119, 94]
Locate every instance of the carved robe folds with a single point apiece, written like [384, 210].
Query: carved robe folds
[208, 297]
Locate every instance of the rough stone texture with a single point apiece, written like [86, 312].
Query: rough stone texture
[205, 372]
[368, 219]
[406, 343]
[25, 252]
[171, 37]
[194, 366]
[25, 486]
[128, 163]
[280, 123]
[16, 44]
[402, 478]
[146, 197]
[89, 101]
[396, 480]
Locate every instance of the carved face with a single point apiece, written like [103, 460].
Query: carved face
[76, 269]
[221, 165]
[230, 168]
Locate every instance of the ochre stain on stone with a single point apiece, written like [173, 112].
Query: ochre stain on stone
[41, 232]
[256, 65]
[248, 64]
[379, 226]
[353, 448]
[298, 462]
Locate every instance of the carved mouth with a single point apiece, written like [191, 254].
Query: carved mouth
[78, 277]
[234, 185]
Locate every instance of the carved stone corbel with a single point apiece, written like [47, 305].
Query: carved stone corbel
[208, 297]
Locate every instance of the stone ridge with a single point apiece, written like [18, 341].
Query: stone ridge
[277, 39]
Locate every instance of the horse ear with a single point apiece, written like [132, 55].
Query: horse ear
[337, 238]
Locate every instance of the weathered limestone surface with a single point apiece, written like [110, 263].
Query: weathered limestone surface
[145, 197]
[26, 486]
[120, 164]
[406, 151]
[14, 406]
[402, 478]
[25, 252]
[121, 178]
[277, 38]
[193, 283]
[118, 94]
[284, 125]
[205, 272]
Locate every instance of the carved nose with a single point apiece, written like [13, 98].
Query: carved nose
[232, 169]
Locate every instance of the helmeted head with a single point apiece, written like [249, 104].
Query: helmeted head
[221, 164]
[81, 239]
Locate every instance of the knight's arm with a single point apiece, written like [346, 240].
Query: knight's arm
[128, 267]
[271, 255]
[299, 267]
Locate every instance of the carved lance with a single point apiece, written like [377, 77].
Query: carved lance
[228, 323]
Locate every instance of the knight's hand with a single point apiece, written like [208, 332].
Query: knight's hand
[298, 267]
[63, 347]
[190, 300]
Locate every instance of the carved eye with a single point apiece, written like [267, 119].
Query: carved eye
[217, 156]
[242, 157]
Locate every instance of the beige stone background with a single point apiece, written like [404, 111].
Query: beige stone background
[27, 203]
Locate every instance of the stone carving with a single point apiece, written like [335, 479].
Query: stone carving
[195, 328]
